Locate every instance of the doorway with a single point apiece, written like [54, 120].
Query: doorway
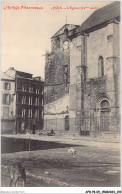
[67, 123]
[104, 116]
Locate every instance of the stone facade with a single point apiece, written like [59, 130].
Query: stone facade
[57, 80]
[93, 75]
[57, 66]
[89, 87]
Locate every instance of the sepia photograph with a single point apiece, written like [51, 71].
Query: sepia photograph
[60, 95]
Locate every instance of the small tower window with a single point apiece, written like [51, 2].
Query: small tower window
[100, 67]
[66, 32]
[58, 42]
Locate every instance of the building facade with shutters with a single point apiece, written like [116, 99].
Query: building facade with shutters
[87, 97]
[8, 102]
[23, 97]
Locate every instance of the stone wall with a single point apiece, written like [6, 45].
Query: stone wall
[96, 47]
[8, 126]
[56, 83]
[87, 90]
[55, 113]
[94, 88]
[75, 63]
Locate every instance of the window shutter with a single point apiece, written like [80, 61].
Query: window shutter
[9, 99]
[4, 85]
[3, 99]
[9, 86]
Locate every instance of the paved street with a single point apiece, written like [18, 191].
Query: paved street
[91, 166]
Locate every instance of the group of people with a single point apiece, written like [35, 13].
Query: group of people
[24, 130]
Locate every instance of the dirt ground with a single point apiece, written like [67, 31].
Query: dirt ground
[90, 167]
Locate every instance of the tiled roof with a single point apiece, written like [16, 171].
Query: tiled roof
[101, 16]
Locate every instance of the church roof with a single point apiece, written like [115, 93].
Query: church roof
[101, 16]
[68, 26]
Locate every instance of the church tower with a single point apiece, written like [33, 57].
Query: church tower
[57, 81]
[57, 67]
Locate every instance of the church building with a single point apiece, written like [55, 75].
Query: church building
[82, 75]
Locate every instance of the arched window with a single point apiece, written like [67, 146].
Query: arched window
[100, 67]
[66, 32]
[105, 104]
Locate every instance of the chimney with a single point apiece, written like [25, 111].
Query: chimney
[11, 68]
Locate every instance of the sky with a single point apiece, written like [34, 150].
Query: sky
[26, 33]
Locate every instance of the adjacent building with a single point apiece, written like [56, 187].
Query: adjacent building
[22, 102]
[82, 75]
[8, 104]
